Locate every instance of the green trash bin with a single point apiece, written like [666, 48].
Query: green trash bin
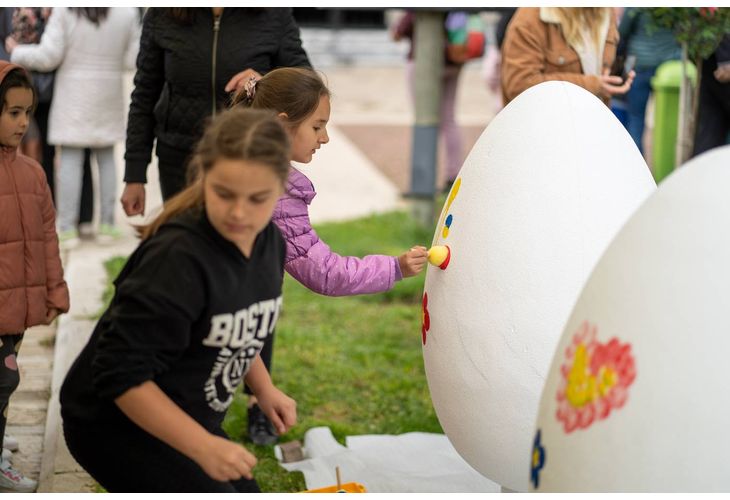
[665, 84]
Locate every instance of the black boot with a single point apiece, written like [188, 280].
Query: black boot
[260, 430]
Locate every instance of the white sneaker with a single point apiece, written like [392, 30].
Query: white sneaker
[7, 454]
[108, 234]
[69, 239]
[10, 443]
[86, 231]
[12, 480]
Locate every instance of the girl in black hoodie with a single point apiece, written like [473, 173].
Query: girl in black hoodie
[143, 403]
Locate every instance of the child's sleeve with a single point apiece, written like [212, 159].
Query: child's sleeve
[311, 261]
[150, 321]
[57, 290]
[135, 33]
[328, 273]
[48, 54]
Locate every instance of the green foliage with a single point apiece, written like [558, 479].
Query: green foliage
[353, 364]
[113, 267]
[701, 28]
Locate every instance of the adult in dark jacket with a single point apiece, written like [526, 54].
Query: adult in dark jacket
[713, 119]
[190, 59]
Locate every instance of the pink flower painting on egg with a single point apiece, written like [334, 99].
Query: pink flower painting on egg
[425, 318]
[595, 379]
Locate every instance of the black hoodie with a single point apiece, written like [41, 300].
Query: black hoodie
[190, 313]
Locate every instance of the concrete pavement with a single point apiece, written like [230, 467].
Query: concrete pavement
[351, 182]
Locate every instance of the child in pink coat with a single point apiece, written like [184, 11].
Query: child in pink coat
[32, 289]
[302, 101]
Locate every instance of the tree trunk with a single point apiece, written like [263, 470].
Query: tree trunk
[685, 94]
[695, 107]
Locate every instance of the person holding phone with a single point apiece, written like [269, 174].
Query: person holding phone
[648, 48]
[573, 44]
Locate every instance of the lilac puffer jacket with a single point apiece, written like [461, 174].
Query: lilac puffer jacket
[311, 262]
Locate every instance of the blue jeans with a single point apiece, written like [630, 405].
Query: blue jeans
[636, 100]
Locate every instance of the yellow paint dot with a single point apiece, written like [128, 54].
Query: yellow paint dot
[452, 195]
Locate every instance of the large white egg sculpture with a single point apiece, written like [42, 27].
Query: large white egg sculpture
[544, 190]
[637, 396]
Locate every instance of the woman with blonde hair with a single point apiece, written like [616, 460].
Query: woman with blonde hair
[573, 44]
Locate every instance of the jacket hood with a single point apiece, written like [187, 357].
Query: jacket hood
[6, 67]
[299, 186]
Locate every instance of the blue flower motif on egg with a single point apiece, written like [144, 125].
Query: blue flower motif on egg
[537, 460]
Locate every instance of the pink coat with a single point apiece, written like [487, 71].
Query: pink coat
[31, 275]
[311, 262]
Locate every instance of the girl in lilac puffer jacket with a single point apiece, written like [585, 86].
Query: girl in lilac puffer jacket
[302, 100]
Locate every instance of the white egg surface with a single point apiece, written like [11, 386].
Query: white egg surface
[542, 193]
[637, 398]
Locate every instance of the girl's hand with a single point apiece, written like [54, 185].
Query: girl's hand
[413, 261]
[612, 85]
[279, 408]
[224, 460]
[51, 315]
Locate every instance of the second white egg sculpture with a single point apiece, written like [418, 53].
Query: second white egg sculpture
[637, 399]
[542, 193]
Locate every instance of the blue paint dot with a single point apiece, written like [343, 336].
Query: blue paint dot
[448, 220]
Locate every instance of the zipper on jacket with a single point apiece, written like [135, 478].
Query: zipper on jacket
[216, 29]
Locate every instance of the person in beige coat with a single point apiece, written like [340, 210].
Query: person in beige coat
[32, 288]
[575, 44]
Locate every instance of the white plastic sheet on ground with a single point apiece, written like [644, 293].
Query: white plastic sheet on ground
[412, 462]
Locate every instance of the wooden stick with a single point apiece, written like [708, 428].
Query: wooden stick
[339, 483]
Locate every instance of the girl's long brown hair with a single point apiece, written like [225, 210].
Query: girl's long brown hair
[294, 91]
[236, 134]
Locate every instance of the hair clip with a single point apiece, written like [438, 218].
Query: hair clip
[250, 88]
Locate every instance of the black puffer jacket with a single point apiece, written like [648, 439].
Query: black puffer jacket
[179, 65]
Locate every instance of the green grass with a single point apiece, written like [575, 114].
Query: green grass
[353, 364]
[113, 266]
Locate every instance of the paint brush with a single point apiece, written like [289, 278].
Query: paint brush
[439, 256]
[339, 481]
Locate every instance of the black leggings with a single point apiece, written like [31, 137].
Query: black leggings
[125, 458]
[9, 375]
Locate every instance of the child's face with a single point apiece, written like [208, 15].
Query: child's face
[15, 116]
[311, 133]
[240, 196]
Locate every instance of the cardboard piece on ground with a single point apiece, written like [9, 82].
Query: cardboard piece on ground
[412, 462]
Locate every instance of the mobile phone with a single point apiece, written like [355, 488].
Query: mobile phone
[628, 67]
